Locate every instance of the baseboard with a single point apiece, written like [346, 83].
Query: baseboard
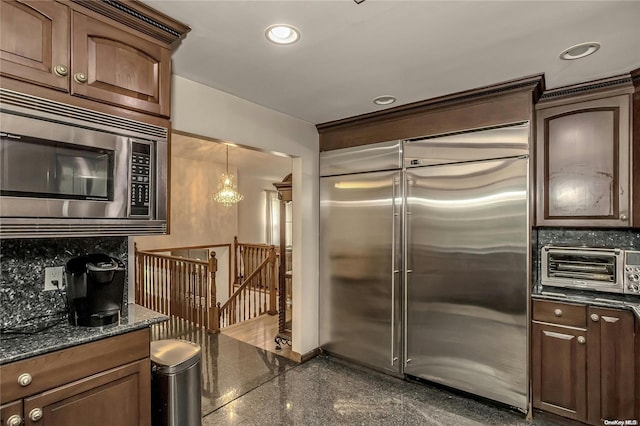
[310, 355]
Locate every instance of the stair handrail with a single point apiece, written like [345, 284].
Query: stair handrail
[195, 278]
[228, 312]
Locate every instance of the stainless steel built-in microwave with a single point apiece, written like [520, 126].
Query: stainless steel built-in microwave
[72, 171]
[610, 270]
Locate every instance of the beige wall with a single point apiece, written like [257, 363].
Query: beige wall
[208, 112]
[195, 218]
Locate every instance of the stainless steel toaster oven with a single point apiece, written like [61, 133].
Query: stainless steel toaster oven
[610, 270]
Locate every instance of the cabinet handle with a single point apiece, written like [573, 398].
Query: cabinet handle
[623, 216]
[24, 379]
[61, 70]
[14, 420]
[581, 340]
[558, 312]
[594, 317]
[35, 414]
[80, 77]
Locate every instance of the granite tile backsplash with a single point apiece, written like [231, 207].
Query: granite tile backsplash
[22, 262]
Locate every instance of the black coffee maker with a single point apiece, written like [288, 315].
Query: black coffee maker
[95, 287]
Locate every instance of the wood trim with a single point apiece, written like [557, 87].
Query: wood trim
[140, 17]
[66, 365]
[54, 95]
[533, 83]
[484, 112]
[565, 93]
[187, 248]
[635, 149]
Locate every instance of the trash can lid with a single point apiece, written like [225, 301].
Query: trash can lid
[174, 356]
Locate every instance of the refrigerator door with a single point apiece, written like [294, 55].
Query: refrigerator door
[360, 268]
[365, 158]
[467, 277]
[509, 140]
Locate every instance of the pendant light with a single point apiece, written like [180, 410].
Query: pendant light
[227, 195]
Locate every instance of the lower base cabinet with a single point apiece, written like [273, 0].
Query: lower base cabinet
[584, 362]
[60, 393]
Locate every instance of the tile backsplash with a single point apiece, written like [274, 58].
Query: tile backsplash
[22, 263]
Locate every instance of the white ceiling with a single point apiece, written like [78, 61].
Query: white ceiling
[415, 50]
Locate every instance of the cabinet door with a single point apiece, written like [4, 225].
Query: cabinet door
[559, 368]
[11, 413]
[583, 163]
[113, 65]
[34, 39]
[120, 396]
[610, 362]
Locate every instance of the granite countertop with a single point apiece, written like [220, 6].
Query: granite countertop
[64, 335]
[592, 298]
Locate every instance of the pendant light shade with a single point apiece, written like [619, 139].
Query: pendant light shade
[227, 195]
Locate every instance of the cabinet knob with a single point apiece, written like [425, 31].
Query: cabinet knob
[581, 340]
[61, 70]
[558, 312]
[35, 414]
[80, 77]
[24, 379]
[594, 317]
[14, 420]
[623, 216]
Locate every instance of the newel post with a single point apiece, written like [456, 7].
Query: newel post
[236, 259]
[273, 260]
[138, 274]
[213, 306]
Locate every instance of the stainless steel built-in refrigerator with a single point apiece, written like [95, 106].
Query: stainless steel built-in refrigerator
[425, 263]
[360, 278]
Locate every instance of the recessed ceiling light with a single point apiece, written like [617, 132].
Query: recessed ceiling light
[580, 51]
[384, 100]
[282, 34]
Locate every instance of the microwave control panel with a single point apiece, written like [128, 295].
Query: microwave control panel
[141, 179]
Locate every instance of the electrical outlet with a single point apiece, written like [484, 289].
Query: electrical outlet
[53, 274]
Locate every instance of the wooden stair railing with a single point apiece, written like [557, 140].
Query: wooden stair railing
[253, 297]
[247, 258]
[178, 286]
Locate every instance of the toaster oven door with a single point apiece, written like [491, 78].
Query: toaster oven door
[583, 268]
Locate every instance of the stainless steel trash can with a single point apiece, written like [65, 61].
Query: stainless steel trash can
[175, 383]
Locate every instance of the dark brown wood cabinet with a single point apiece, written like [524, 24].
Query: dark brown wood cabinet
[113, 65]
[109, 398]
[116, 53]
[610, 365]
[11, 414]
[584, 362]
[582, 158]
[34, 42]
[103, 382]
[559, 370]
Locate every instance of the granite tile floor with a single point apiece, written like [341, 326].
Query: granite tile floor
[244, 385]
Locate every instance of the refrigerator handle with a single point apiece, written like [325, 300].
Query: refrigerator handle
[394, 268]
[407, 271]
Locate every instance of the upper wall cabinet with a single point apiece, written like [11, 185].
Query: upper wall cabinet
[112, 65]
[583, 160]
[34, 42]
[115, 53]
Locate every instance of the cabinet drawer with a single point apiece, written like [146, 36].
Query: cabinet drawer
[66, 365]
[560, 313]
